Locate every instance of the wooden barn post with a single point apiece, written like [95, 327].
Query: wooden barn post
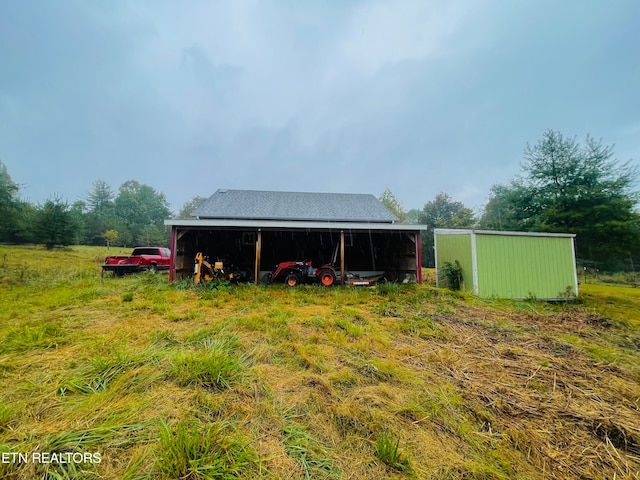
[342, 257]
[419, 257]
[172, 256]
[258, 250]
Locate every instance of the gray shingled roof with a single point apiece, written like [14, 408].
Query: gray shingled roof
[264, 205]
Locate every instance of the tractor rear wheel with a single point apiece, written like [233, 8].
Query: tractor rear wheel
[327, 278]
[292, 280]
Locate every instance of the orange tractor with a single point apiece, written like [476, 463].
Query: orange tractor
[295, 273]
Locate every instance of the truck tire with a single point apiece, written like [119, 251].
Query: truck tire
[153, 268]
[292, 280]
[327, 278]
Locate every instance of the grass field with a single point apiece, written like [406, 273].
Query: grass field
[134, 378]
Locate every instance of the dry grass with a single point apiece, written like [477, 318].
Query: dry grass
[393, 382]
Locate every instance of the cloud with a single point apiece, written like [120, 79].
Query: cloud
[417, 96]
[384, 33]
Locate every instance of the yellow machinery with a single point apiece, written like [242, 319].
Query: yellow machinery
[204, 271]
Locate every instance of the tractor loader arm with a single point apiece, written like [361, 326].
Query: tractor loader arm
[202, 269]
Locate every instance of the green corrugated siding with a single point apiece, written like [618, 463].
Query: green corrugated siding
[456, 247]
[522, 267]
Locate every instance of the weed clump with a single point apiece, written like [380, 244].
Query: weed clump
[387, 450]
[216, 364]
[127, 297]
[190, 450]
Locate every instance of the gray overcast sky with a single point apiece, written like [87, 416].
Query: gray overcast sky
[420, 97]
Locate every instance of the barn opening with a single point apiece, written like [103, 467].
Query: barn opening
[257, 251]
[254, 231]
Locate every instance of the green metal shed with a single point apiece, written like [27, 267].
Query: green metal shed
[515, 265]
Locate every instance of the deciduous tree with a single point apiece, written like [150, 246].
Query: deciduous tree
[390, 201]
[110, 236]
[139, 207]
[442, 212]
[9, 205]
[187, 209]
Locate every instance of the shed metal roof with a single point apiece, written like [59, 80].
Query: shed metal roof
[294, 206]
[456, 231]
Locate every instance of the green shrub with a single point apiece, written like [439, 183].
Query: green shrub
[451, 275]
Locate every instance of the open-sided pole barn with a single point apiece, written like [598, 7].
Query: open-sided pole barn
[254, 231]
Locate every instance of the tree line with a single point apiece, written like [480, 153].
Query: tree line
[564, 186]
[133, 216]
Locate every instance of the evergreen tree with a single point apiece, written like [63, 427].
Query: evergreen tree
[79, 220]
[54, 224]
[24, 227]
[573, 188]
[100, 200]
[100, 212]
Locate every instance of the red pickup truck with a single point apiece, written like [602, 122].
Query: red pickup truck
[140, 260]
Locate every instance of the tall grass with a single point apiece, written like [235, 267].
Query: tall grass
[100, 372]
[29, 337]
[395, 381]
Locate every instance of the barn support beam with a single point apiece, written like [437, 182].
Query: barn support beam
[172, 258]
[256, 272]
[342, 257]
[419, 258]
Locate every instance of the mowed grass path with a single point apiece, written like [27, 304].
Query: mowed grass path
[143, 379]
